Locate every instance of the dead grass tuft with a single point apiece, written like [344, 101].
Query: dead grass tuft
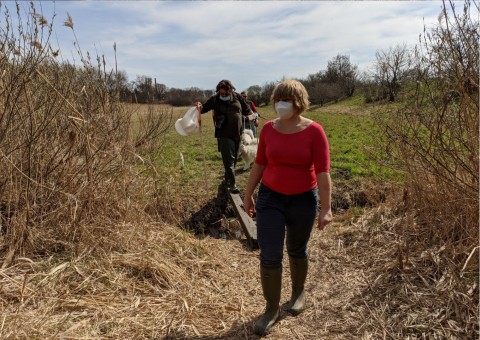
[172, 286]
[413, 292]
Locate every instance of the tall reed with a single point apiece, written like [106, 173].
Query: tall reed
[68, 157]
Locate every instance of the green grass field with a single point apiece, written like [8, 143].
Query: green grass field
[350, 136]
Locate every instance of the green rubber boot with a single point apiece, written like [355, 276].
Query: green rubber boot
[298, 273]
[271, 285]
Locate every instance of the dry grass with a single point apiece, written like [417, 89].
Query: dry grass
[91, 247]
[433, 137]
[160, 282]
[164, 282]
[69, 165]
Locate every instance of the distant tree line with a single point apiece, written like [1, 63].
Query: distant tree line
[392, 69]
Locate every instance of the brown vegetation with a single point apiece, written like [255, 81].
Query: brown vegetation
[90, 247]
[434, 138]
[67, 158]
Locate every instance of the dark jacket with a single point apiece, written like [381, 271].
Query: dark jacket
[251, 104]
[228, 115]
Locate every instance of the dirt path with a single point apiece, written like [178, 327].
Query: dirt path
[335, 284]
[338, 277]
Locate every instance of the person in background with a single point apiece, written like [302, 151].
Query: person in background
[229, 108]
[251, 124]
[293, 169]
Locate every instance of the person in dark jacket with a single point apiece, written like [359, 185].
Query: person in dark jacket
[229, 108]
[251, 123]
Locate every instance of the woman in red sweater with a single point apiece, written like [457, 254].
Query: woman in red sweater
[293, 169]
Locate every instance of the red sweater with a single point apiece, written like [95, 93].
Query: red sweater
[292, 160]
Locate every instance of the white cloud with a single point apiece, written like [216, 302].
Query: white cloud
[197, 43]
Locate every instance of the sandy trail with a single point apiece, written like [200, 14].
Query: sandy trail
[338, 277]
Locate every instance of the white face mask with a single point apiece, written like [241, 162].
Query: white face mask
[284, 109]
[224, 98]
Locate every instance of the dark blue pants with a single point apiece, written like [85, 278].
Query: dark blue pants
[281, 215]
[229, 150]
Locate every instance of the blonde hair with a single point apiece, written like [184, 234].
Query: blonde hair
[291, 89]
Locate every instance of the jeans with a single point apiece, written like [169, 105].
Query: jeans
[281, 215]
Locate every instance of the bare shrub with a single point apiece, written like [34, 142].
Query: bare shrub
[148, 127]
[66, 149]
[392, 70]
[434, 139]
[434, 136]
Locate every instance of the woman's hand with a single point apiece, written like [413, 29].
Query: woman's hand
[253, 180]
[325, 192]
[249, 205]
[324, 218]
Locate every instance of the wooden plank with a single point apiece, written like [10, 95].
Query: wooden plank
[248, 224]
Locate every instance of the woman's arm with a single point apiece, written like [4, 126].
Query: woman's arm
[253, 180]
[324, 183]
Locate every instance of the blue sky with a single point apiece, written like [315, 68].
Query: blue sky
[197, 43]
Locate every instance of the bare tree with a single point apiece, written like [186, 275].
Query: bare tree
[144, 89]
[392, 66]
[118, 82]
[255, 94]
[368, 87]
[267, 91]
[160, 92]
[343, 73]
